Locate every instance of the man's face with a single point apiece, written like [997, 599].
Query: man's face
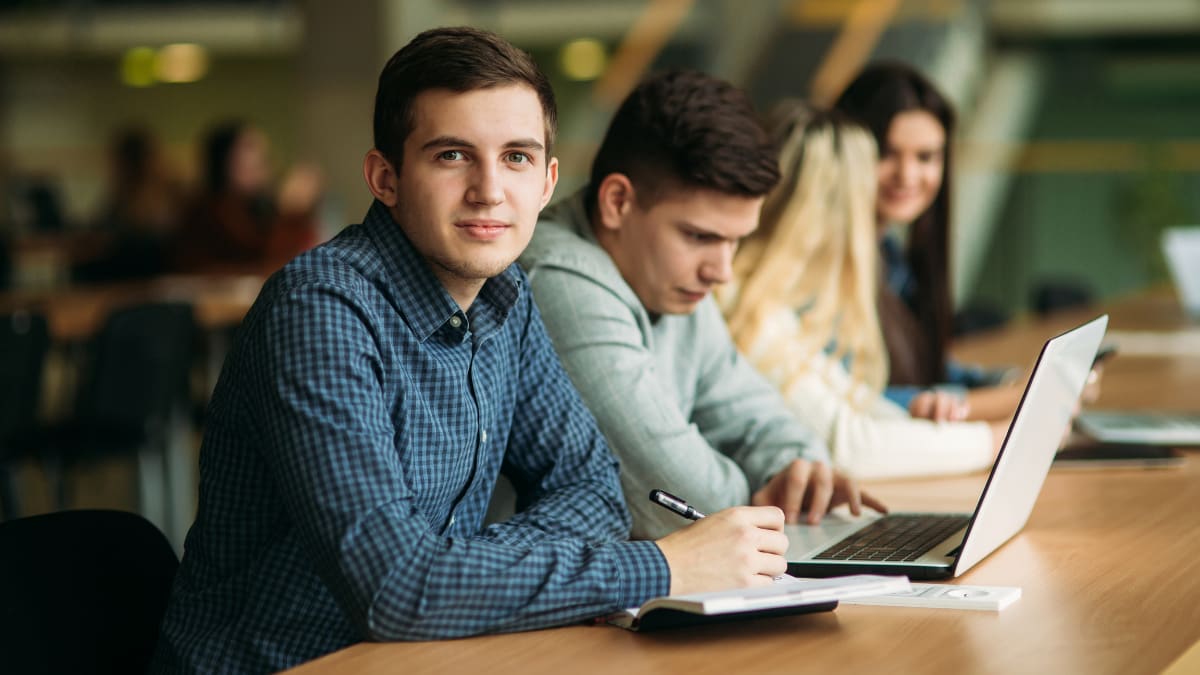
[674, 252]
[473, 178]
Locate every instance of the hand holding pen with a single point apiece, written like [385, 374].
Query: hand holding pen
[733, 548]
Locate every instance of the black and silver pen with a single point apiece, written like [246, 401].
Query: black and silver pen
[673, 503]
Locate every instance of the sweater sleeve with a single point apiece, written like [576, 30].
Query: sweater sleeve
[869, 437]
[607, 355]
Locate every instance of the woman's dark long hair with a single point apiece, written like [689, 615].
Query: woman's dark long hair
[879, 93]
[218, 146]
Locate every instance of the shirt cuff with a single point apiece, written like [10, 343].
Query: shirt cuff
[642, 573]
[902, 395]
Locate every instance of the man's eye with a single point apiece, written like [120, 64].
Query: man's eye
[451, 155]
[519, 158]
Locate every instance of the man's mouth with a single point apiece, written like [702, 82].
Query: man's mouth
[480, 228]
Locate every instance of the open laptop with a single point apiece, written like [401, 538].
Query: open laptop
[1150, 428]
[1181, 248]
[944, 545]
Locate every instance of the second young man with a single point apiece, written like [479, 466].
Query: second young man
[622, 272]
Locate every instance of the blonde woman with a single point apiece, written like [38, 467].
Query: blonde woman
[802, 308]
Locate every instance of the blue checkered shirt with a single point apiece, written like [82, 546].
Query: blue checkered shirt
[352, 445]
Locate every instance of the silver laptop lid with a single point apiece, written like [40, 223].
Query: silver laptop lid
[1041, 420]
[1181, 248]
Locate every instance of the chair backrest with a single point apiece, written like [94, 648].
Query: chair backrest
[24, 340]
[82, 592]
[5, 263]
[138, 367]
[1055, 295]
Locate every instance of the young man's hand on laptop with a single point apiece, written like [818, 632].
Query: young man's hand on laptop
[814, 487]
[735, 548]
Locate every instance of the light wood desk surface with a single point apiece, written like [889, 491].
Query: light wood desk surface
[75, 313]
[1109, 564]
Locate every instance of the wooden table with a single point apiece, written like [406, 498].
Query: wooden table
[1109, 564]
[75, 313]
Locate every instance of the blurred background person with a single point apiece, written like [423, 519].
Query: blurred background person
[802, 307]
[913, 125]
[140, 213]
[238, 223]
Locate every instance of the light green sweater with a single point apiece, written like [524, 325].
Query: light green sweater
[682, 410]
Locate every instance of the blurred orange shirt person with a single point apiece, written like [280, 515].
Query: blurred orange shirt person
[237, 224]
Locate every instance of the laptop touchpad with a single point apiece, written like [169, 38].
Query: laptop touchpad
[804, 541]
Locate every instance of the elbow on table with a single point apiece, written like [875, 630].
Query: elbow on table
[400, 626]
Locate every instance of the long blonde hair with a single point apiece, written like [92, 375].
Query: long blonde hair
[814, 252]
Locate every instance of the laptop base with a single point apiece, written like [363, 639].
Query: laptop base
[822, 570]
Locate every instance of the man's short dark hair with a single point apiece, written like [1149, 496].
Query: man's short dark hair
[459, 59]
[685, 129]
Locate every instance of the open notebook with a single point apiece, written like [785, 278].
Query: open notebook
[786, 596]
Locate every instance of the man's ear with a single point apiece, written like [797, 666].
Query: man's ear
[614, 200]
[382, 178]
[551, 181]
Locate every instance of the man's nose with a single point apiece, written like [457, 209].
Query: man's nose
[485, 187]
[718, 269]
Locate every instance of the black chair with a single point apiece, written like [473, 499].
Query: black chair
[978, 317]
[24, 341]
[82, 592]
[5, 263]
[135, 376]
[1055, 295]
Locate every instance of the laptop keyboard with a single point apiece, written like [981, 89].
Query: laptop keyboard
[896, 538]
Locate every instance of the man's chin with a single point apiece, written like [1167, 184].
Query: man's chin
[477, 269]
[680, 307]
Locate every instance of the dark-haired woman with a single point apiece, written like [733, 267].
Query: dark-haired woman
[913, 125]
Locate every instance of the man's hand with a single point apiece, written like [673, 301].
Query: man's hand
[738, 547]
[813, 487]
[939, 406]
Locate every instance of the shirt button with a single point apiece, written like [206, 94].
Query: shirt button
[451, 520]
[455, 321]
[483, 436]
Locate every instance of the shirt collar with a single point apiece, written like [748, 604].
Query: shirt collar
[421, 298]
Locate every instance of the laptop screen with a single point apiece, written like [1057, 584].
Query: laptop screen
[1042, 418]
[1181, 248]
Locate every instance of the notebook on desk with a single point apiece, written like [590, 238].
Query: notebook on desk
[945, 545]
[786, 597]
